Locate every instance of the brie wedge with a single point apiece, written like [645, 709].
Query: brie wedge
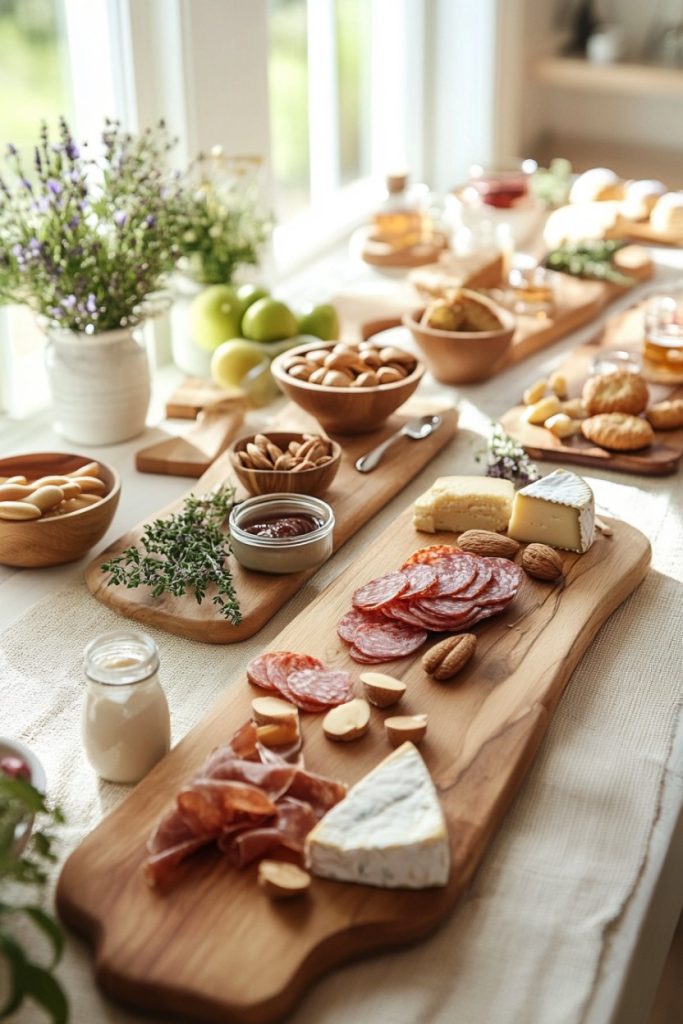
[557, 510]
[388, 831]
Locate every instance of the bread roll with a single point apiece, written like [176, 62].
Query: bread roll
[640, 197]
[667, 214]
[597, 186]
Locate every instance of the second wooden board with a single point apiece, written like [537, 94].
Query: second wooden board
[355, 498]
[214, 948]
[623, 333]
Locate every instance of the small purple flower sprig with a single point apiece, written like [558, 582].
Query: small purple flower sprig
[506, 459]
[84, 240]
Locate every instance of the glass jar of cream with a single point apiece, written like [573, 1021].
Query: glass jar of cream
[281, 533]
[125, 722]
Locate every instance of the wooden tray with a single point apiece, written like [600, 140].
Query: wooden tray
[354, 497]
[624, 332]
[214, 948]
[191, 455]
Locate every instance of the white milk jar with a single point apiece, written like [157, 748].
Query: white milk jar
[125, 723]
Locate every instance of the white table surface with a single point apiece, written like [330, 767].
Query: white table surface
[638, 944]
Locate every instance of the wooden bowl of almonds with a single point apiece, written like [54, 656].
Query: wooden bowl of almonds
[282, 461]
[348, 388]
[53, 507]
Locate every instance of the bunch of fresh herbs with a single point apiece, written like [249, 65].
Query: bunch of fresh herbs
[187, 551]
[225, 227]
[85, 241]
[20, 878]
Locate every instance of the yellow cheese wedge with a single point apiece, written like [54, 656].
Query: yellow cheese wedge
[459, 503]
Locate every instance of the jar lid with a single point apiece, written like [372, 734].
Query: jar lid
[121, 658]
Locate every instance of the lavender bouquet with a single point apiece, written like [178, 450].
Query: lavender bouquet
[84, 241]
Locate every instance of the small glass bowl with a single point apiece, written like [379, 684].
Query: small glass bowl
[531, 290]
[280, 555]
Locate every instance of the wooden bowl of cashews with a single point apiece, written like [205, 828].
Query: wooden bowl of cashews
[349, 388]
[279, 462]
[53, 507]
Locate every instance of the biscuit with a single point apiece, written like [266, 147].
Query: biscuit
[666, 415]
[618, 431]
[615, 392]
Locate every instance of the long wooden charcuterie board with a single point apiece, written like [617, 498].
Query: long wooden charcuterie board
[215, 948]
[624, 332]
[355, 498]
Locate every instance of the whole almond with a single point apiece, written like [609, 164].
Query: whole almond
[318, 356]
[372, 359]
[318, 376]
[258, 459]
[285, 462]
[261, 441]
[447, 658]
[273, 451]
[300, 371]
[542, 562]
[385, 375]
[368, 379]
[293, 447]
[323, 460]
[486, 542]
[337, 379]
[389, 354]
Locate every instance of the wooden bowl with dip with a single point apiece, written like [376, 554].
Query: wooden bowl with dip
[296, 480]
[463, 357]
[348, 408]
[55, 537]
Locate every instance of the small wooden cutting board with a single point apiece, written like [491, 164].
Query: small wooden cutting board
[624, 332]
[191, 455]
[355, 498]
[214, 948]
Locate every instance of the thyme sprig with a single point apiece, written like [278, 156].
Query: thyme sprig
[507, 459]
[187, 551]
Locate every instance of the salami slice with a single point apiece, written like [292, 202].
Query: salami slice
[281, 664]
[504, 583]
[365, 659]
[323, 687]
[403, 611]
[422, 579]
[455, 572]
[482, 578]
[390, 640]
[448, 607]
[380, 591]
[427, 556]
[350, 623]
[257, 672]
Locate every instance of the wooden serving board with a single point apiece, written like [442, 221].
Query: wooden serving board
[642, 231]
[355, 498]
[214, 948]
[191, 455]
[624, 332]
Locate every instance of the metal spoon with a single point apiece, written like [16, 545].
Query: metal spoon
[415, 429]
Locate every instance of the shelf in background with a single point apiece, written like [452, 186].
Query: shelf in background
[621, 79]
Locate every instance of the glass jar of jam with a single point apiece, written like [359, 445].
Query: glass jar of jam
[281, 533]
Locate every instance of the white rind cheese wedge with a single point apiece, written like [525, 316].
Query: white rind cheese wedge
[557, 510]
[388, 831]
[459, 503]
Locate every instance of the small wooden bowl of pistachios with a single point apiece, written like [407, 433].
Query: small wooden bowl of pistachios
[282, 461]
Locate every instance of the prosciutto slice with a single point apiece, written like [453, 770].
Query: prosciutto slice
[245, 800]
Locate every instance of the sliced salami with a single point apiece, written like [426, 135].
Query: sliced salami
[448, 607]
[422, 579]
[390, 640]
[403, 611]
[427, 556]
[365, 659]
[381, 591]
[348, 626]
[281, 665]
[482, 578]
[504, 583]
[324, 687]
[257, 672]
[455, 572]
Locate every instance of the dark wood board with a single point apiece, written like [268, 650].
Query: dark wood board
[355, 498]
[624, 332]
[215, 948]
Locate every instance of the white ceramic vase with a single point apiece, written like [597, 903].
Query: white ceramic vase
[99, 384]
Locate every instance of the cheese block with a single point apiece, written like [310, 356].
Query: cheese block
[389, 830]
[557, 510]
[459, 503]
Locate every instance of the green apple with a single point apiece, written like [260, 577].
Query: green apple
[233, 360]
[248, 294]
[321, 321]
[269, 320]
[215, 316]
